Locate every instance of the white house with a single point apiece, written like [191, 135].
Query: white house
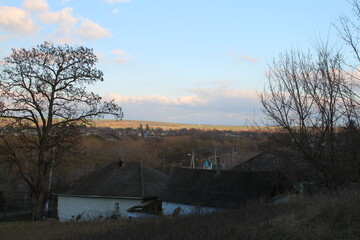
[117, 190]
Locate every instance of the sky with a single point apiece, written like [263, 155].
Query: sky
[181, 61]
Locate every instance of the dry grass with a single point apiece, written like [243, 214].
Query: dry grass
[330, 216]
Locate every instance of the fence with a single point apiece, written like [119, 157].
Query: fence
[14, 203]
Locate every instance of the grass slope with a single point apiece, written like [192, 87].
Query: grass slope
[330, 216]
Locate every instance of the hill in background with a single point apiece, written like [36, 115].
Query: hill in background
[165, 125]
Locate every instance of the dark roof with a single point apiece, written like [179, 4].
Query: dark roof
[131, 180]
[225, 190]
[293, 169]
[262, 162]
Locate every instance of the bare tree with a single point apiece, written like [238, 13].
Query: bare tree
[43, 98]
[308, 98]
[349, 31]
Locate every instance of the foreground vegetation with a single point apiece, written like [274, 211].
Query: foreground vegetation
[329, 216]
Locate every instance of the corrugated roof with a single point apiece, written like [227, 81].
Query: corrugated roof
[226, 190]
[129, 180]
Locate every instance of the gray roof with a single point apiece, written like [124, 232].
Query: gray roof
[262, 162]
[225, 190]
[293, 169]
[131, 180]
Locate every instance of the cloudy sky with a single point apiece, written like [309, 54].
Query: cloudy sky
[181, 61]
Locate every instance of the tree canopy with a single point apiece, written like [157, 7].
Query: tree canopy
[43, 96]
[314, 99]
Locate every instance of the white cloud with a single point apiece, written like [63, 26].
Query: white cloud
[100, 55]
[201, 97]
[17, 21]
[91, 30]
[115, 11]
[117, 1]
[231, 53]
[121, 60]
[243, 57]
[121, 53]
[62, 36]
[36, 5]
[124, 56]
[224, 92]
[66, 22]
[62, 17]
[249, 59]
[66, 26]
[159, 99]
[219, 105]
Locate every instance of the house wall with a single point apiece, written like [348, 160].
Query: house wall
[86, 208]
[283, 198]
[169, 207]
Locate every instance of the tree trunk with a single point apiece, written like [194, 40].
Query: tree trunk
[37, 209]
[40, 187]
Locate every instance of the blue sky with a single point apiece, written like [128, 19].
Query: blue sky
[176, 61]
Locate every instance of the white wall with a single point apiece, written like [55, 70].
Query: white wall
[169, 207]
[92, 208]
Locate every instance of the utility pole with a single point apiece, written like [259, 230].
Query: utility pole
[215, 156]
[234, 153]
[163, 164]
[217, 161]
[141, 180]
[192, 163]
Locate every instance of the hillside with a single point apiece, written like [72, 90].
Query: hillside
[330, 216]
[165, 125]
